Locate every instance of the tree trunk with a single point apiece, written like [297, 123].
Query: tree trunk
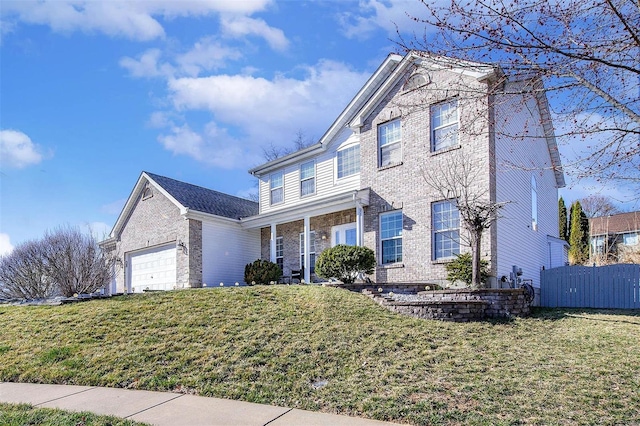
[476, 238]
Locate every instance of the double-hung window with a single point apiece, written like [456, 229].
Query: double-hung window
[312, 250]
[277, 187]
[280, 252]
[391, 236]
[307, 178]
[389, 146]
[348, 161]
[444, 125]
[446, 230]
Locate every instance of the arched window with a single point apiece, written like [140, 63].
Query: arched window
[147, 193]
[416, 80]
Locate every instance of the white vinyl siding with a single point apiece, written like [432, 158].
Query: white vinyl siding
[446, 230]
[276, 183]
[226, 249]
[530, 251]
[308, 178]
[389, 143]
[444, 125]
[391, 237]
[348, 161]
[326, 182]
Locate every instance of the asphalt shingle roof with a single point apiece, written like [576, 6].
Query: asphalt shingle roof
[206, 200]
[616, 223]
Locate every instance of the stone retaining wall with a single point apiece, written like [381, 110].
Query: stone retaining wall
[457, 305]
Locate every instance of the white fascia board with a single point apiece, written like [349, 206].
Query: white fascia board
[332, 204]
[547, 126]
[553, 239]
[294, 157]
[208, 217]
[131, 201]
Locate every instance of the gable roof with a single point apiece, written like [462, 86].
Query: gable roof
[615, 224]
[206, 200]
[187, 198]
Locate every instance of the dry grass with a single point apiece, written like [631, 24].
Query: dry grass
[25, 414]
[270, 344]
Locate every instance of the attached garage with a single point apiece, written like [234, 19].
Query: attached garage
[153, 269]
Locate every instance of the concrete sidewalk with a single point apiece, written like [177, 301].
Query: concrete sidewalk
[170, 409]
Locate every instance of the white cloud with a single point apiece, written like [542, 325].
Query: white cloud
[5, 244]
[212, 146]
[266, 111]
[240, 26]
[130, 19]
[205, 55]
[17, 150]
[147, 65]
[388, 15]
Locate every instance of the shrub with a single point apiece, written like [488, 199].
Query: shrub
[262, 272]
[460, 269]
[345, 263]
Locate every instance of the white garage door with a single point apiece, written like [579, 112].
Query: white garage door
[153, 269]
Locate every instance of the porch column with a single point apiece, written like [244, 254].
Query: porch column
[272, 244]
[359, 224]
[307, 248]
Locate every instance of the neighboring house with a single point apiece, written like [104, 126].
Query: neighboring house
[615, 238]
[363, 182]
[172, 234]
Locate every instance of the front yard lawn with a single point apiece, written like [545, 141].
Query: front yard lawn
[25, 414]
[330, 350]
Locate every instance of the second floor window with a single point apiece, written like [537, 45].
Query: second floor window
[348, 161]
[444, 125]
[276, 185]
[389, 137]
[446, 230]
[307, 178]
[391, 237]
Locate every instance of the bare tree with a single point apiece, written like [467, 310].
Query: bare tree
[457, 179]
[273, 151]
[586, 52]
[23, 273]
[598, 205]
[65, 261]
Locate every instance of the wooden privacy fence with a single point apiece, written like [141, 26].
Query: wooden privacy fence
[612, 286]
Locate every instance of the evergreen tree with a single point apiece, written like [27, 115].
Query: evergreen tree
[562, 220]
[578, 235]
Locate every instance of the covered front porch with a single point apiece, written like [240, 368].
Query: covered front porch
[289, 234]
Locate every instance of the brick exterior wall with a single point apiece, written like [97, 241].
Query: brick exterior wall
[156, 221]
[402, 186]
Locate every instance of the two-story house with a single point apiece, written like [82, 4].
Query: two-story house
[364, 183]
[615, 238]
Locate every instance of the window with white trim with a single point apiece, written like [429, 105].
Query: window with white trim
[444, 125]
[446, 230]
[280, 252]
[534, 204]
[348, 161]
[391, 237]
[389, 146]
[344, 234]
[308, 178]
[312, 250]
[276, 184]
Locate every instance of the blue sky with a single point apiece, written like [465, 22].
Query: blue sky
[94, 92]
